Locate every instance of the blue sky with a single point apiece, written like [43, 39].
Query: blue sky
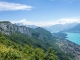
[40, 12]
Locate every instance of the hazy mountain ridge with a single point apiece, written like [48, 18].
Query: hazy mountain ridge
[74, 29]
[60, 27]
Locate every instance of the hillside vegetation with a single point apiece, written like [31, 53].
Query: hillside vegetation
[10, 50]
[23, 43]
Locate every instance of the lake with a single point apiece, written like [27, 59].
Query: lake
[74, 37]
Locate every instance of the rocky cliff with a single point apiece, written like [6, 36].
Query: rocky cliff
[9, 28]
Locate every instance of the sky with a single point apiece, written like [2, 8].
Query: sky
[40, 12]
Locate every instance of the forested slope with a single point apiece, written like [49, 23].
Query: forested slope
[24, 43]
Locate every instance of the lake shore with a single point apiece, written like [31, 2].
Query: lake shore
[74, 37]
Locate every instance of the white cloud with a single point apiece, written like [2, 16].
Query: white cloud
[48, 23]
[13, 6]
[68, 20]
[37, 23]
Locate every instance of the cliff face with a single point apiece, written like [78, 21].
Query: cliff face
[9, 28]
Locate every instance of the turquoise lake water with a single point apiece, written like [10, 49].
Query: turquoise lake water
[74, 37]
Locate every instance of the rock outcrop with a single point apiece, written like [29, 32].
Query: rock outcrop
[9, 28]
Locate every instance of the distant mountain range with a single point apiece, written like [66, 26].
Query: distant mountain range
[68, 27]
[74, 29]
[60, 27]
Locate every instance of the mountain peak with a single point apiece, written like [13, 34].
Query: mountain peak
[4, 22]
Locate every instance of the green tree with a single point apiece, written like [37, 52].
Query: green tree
[50, 55]
[37, 54]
